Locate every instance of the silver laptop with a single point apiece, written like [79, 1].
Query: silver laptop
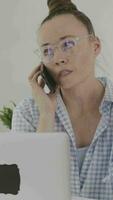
[34, 166]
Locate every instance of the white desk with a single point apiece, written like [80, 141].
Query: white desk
[81, 198]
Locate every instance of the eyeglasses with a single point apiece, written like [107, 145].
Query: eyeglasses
[67, 45]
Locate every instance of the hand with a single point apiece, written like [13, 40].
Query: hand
[46, 102]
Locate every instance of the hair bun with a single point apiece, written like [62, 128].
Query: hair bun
[60, 4]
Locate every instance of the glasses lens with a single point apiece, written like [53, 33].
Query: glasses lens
[47, 53]
[37, 52]
[68, 44]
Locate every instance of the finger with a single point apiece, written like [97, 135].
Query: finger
[34, 79]
[38, 68]
[51, 94]
[41, 82]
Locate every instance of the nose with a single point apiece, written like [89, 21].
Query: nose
[60, 58]
[61, 61]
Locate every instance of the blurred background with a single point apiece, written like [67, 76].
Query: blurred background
[19, 21]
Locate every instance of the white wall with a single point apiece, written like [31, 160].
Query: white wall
[18, 24]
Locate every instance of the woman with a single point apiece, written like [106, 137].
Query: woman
[82, 105]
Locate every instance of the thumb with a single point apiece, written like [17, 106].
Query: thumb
[53, 95]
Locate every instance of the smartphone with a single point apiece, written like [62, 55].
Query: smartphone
[49, 80]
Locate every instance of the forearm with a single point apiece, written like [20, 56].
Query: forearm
[46, 123]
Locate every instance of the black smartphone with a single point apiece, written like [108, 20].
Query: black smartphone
[49, 80]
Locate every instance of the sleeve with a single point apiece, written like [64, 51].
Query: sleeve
[24, 116]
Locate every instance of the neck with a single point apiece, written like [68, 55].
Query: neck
[85, 97]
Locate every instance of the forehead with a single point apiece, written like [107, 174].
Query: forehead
[60, 26]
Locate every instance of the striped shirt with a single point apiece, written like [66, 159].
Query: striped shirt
[95, 179]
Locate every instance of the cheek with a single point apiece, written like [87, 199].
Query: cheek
[83, 59]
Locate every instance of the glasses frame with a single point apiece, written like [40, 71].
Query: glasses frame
[57, 44]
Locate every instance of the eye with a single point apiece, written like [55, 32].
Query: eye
[47, 51]
[68, 44]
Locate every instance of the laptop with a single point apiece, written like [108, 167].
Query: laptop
[34, 166]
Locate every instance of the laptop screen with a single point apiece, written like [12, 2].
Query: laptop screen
[34, 166]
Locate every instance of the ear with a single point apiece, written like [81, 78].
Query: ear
[96, 46]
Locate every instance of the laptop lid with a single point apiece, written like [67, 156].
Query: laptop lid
[34, 166]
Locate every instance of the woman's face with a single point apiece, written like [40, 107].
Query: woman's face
[79, 61]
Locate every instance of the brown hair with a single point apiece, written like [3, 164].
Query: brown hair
[60, 7]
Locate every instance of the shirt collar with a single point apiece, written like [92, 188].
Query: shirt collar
[108, 95]
[108, 84]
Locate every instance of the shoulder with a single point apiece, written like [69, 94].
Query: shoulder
[25, 115]
[27, 108]
[27, 103]
[108, 84]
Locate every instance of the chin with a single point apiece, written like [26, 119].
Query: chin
[68, 85]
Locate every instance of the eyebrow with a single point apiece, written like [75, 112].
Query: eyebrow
[61, 38]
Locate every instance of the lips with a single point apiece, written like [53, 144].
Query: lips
[64, 73]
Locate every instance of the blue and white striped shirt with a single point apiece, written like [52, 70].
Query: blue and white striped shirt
[95, 179]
